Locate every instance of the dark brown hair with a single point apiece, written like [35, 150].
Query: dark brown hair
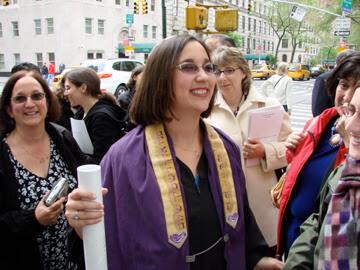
[154, 94]
[7, 124]
[348, 67]
[89, 77]
[132, 82]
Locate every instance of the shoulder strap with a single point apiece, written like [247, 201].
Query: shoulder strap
[278, 81]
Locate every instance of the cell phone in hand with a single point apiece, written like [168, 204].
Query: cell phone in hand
[59, 190]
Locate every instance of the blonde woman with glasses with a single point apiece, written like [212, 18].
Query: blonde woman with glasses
[234, 99]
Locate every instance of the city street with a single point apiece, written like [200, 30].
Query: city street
[301, 99]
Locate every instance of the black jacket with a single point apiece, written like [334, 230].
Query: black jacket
[19, 228]
[105, 123]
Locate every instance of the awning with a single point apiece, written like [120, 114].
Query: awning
[256, 57]
[138, 47]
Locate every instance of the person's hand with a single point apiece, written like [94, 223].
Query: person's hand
[82, 209]
[268, 263]
[294, 139]
[48, 215]
[253, 149]
[340, 128]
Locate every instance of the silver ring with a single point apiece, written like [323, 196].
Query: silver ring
[76, 215]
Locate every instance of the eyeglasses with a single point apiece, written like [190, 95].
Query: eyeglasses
[37, 96]
[191, 68]
[227, 71]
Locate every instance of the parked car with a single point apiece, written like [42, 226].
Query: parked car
[316, 71]
[299, 72]
[55, 83]
[262, 72]
[113, 73]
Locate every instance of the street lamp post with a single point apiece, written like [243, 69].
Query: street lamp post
[163, 9]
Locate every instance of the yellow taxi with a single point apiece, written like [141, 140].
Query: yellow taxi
[261, 72]
[57, 79]
[299, 72]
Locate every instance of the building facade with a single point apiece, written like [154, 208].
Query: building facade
[71, 31]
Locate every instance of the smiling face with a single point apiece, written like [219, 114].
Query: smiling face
[192, 92]
[344, 92]
[33, 111]
[352, 126]
[227, 82]
[74, 94]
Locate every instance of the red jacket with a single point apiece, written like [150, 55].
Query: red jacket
[297, 160]
[51, 68]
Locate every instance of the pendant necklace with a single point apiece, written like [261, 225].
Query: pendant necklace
[335, 139]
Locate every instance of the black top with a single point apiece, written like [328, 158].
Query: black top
[105, 123]
[204, 225]
[19, 228]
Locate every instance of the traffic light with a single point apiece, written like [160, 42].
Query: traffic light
[226, 19]
[196, 17]
[5, 3]
[249, 9]
[136, 7]
[144, 6]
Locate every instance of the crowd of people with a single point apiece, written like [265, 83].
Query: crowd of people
[175, 155]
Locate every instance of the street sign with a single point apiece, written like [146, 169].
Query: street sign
[298, 13]
[342, 33]
[129, 18]
[341, 23]
[347, 6]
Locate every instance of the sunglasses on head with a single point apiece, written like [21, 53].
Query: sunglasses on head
[37, 96]
[191, 68]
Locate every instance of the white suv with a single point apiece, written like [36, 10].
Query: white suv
[113, 73]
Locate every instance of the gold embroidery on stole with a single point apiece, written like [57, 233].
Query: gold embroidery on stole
[169, 184]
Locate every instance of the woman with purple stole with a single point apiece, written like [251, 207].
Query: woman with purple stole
[176, 192]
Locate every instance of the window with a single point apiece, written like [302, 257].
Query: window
[127, 3]
[249, 23]
[127, 66]
[15, 2]
[39, 59]
[2, 61]
[101, 25]
[1, 33]
[265, 27]
[145, 30]
[254, 44]
[300, 45]
[17, 58]
[260, 25]
[117, 2]
[264, 45]
[51, 57]
[37, 23]
[88, 26]
[50, 25]
[152, 5]
[95, 55]
[284, 58]
[15, 27]
[285, 43]
[243, 23]
[154, 32]
[254, 25]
